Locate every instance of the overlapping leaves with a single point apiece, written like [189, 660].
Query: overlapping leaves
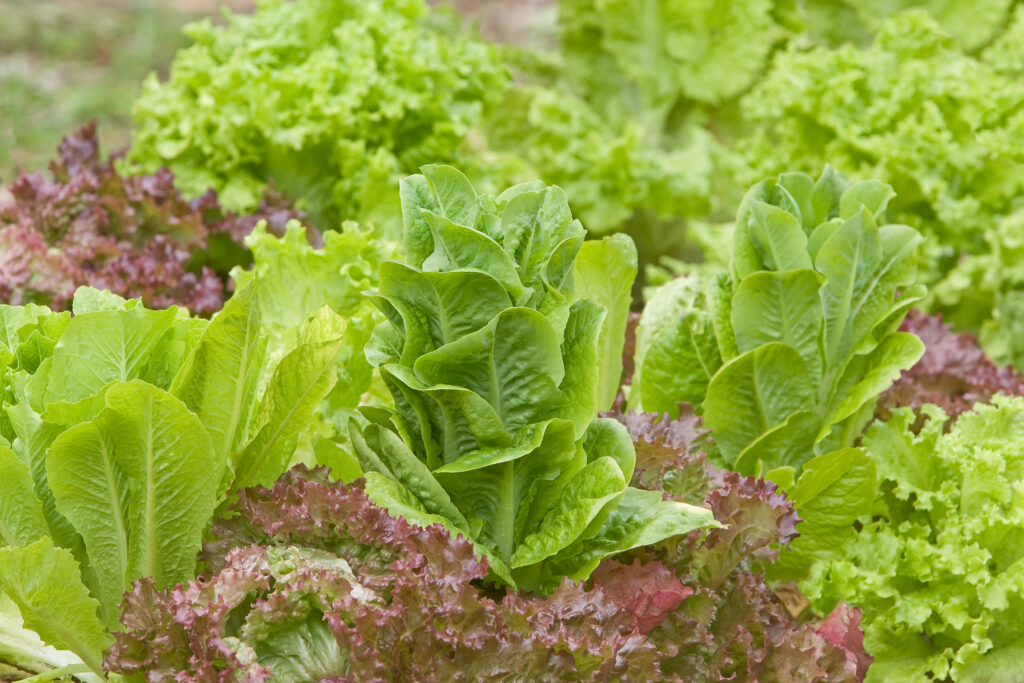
[124, 428]
[311, 580]
[935, 561]
[498, 365]
[787, 352]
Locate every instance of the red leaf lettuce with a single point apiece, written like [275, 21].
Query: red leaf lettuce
[133, 235]
[311, 581]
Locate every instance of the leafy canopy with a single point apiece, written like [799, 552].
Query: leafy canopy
[331, 100]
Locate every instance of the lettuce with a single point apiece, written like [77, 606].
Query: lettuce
[310, 580]
[786, 353]
[730, 624]
[941, 125]
[616, 178]
[935, 559]
[296, 280]
[953, 374]
[497, 366]
[131, 234]
[124, 429]
[332, 100]
[664, 49]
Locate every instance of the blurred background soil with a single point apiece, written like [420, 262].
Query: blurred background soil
[64, 62]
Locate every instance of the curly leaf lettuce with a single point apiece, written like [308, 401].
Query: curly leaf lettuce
[331, 100]
[936, 563]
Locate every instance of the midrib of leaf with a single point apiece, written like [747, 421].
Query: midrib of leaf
[123, 376]
[847, 299]
[700, 355]
[444, 248]
[757, 400]
[445, 319]
[236, 406]
[66, 634]
[112, 492]
[882, 271]
[499, 404]
[151, 525]
[784, 315]
[506, 521]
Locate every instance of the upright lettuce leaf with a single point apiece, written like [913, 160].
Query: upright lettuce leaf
[787, 352]
[497, 365]
[296, 281]
[300, 381]
[140, 483]
[219, 380]
[604, 271]
[21, 514]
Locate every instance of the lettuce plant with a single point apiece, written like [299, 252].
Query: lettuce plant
[123, 429]
[787, 352]
[615, 177]
[675, 76]
[311, 581]
[935, 559]
[661, 50]
[133, 235]
[731, 625]
[672, 51]
[936, 122]
[498, 364]
[333, 100]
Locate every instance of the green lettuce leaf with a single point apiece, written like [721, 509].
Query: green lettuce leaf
[139, 483]
[21, 514]
[44, 584]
